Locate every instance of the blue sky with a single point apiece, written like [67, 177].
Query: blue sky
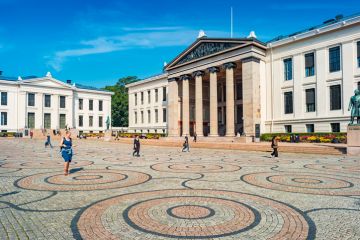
[96, 42]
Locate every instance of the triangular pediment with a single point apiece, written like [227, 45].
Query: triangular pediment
[206, 47]
[47, 82]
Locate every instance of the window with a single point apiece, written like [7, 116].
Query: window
[156, 95]
[100, 105]
[310, 100]
[358, 53]
[31, 120]
[31, 99]
[310, 128]
[62, 102]
[164, 94]
[335, 127]
[335, 97]
[288, 69]
[47, 101]
[288, 102]
[4, 98]
[136, 120]
[100, 121]
[81, 104]
[334, 59]
[135, 95]
[142, 117]
[156, 115]
[149, 96]
[288, 128]
[81, 120]
[142, 98]
[164, 115]
[47, 120]
[309, 65]
[3, 119]
[238, 91]
[91, 105]
[91, 121]
[62, 121]
[149, 116]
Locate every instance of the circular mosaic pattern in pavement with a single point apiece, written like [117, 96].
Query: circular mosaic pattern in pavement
[268, 161]
[43, 164]
[83, 180]
[305, 183]
[348, 168]
[195, 167]
[192, 214]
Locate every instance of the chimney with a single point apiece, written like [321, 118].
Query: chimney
[68, 81]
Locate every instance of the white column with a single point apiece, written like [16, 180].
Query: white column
[230, 101]
[199, 103]
[173, 109]
[213, 102]
[185, 106]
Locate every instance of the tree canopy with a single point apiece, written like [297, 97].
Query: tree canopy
[120, 101]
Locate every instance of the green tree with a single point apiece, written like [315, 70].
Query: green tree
[120, 101]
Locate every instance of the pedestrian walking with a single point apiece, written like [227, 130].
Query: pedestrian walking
[136, 146]
[66, 151]
[186, 146]
[195, 137]
[275, 146]
[48, 141]
[31, 134]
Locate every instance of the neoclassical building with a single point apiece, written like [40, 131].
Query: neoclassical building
[300, 82]
[47, 103]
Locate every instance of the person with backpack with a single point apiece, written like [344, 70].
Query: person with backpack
[136, 146]
[66, 151]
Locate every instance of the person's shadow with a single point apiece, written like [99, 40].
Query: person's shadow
[74, 170]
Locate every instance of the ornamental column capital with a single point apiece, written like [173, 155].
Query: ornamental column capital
[229, 65]
[198, 73]
[185, 77]
[213, 69]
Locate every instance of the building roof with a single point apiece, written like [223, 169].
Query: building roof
[148, 79]
[336, 20]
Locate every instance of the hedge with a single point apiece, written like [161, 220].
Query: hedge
[7, 134]
[144, 135]
[307, 137]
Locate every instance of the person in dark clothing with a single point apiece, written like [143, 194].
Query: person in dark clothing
[274, 146]
[186, 146]
[136, 146]
[195, 137]
[48, 141]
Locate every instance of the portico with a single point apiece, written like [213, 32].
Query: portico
[214, 88]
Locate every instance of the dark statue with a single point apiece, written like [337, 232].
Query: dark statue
[107, 123]
[354, 107]
[205, 49]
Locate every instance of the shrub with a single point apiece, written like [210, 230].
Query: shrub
[7, 134]
[307, 137]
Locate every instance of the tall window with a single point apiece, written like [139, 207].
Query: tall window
[31, 120]
[142, 117]
[288, 69]
[136, 119]
[62, 121]
[135, 96]
[309, 65]
[91, 104]
[164, 94]
[62, 102]
[100, 121]
[335, 127]
[238, 91]
[335, 97]
[47, 100]
[310, 100]
[81, 120]
[358, 53]
[4, 98]
[288, 128]
[334, 59]
[47, 120]
[91, 121]
[100, 105]
[156, 95]
[164, 115]
[31, 99]
[149, 116]
[149, 96]
[310, 128]
[3, 119]
[156, 115]
[288, 102]
[81, 104]
[142, 98]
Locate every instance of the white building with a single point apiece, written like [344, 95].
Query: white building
[47, 103]
[296, 83]
[148, 104]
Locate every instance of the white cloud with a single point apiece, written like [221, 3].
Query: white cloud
[146, 38]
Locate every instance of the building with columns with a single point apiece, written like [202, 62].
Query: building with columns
[47, 103]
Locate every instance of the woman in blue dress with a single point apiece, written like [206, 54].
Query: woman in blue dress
[66, 151]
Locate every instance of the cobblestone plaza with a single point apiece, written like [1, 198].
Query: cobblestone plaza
[167, 194]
